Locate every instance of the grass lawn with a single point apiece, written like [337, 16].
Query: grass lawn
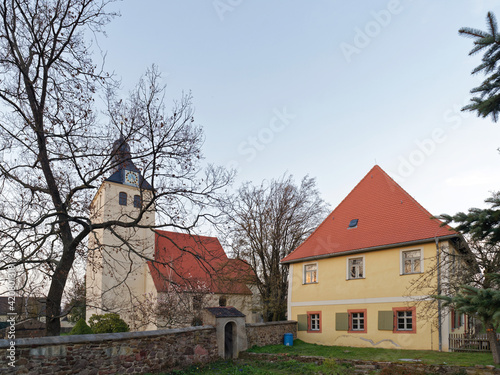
[383, 355]
[288, 365]
[248, 367]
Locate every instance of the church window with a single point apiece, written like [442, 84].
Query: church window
[137, 201]
[122, 199]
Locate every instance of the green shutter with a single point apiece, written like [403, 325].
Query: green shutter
[302, 320]
[385, 320]
[342, 321]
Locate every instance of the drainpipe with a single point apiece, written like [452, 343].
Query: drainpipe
[438, 258]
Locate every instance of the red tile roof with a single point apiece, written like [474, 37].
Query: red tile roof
[197, 263]
[387, 215]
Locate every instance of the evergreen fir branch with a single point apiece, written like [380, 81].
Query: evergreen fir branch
[472, 33]
[490, 18]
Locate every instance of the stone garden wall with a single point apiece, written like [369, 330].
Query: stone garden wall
[271, 333]
[128, 352]
[111, 353]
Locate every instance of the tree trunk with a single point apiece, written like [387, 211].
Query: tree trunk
[494, 345]
[54, 298]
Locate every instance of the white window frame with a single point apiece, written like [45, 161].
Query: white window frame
[407, 318]
[314, 322]
[304, 277]
[348, 268]
[358, 319]
[402, 258]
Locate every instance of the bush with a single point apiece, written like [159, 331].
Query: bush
[81, 328]
[108, 323]
[197, 321]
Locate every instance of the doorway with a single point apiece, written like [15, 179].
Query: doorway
[229, 340]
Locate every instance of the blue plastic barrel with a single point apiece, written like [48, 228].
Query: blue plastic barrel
[288, 339]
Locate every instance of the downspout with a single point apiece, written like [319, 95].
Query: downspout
[438, 258]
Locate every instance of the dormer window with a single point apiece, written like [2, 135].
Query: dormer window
[353, 224]
[122, 198]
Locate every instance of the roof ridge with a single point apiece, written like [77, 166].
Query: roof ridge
[331, 213]
[185, 234]
[375, 201]
[422, 208]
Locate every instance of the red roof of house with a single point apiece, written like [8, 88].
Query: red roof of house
[387, 215]
[197, 263]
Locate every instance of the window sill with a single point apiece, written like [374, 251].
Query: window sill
[412, 273]
[356, 278]
[310, 283]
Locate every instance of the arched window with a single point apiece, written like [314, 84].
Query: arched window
[137, 201]
[122, 199]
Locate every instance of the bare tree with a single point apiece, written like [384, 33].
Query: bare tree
[267, 222]
[464, 274]
[453, 264]
[56, 151]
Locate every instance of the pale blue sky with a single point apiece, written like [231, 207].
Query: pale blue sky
[293, 86]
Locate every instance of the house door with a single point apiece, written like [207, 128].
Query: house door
[228, 341]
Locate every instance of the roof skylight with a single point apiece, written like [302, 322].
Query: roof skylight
[353, 224]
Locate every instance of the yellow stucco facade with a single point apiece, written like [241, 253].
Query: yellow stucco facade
[364, 290]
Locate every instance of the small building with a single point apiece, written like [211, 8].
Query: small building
[230, 328]
[353, 281]
[24, 308]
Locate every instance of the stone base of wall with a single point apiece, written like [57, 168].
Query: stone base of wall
[271, 333]
[112, 353]
[385, 367]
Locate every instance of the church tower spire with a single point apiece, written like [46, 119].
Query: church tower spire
[125, 171]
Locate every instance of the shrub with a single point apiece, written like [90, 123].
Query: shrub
[108, 323]
[81, 328]
[197, 321]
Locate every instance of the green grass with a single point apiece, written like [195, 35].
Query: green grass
[288, 365]
[265, 367]
[374, 354]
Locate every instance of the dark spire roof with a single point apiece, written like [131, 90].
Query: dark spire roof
[121, 161]
[121, 156]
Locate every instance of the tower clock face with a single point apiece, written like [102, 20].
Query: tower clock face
[131, 178]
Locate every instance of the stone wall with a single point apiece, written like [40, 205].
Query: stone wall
[271, 333]
[111, 353]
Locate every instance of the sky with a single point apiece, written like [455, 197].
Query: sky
[324, 88]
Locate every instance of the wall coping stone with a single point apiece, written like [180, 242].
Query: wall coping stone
[281, 322]
[96, 337]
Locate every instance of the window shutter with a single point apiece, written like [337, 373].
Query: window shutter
[342, 321]
[385, 321]
[302, 320]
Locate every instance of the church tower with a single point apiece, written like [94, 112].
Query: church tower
[118, 278]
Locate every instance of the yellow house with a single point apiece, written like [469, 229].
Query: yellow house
[354, 281]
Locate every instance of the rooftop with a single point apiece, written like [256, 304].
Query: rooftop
[376, 213]
[197, 263]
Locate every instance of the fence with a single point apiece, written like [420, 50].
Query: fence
[468, 343]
